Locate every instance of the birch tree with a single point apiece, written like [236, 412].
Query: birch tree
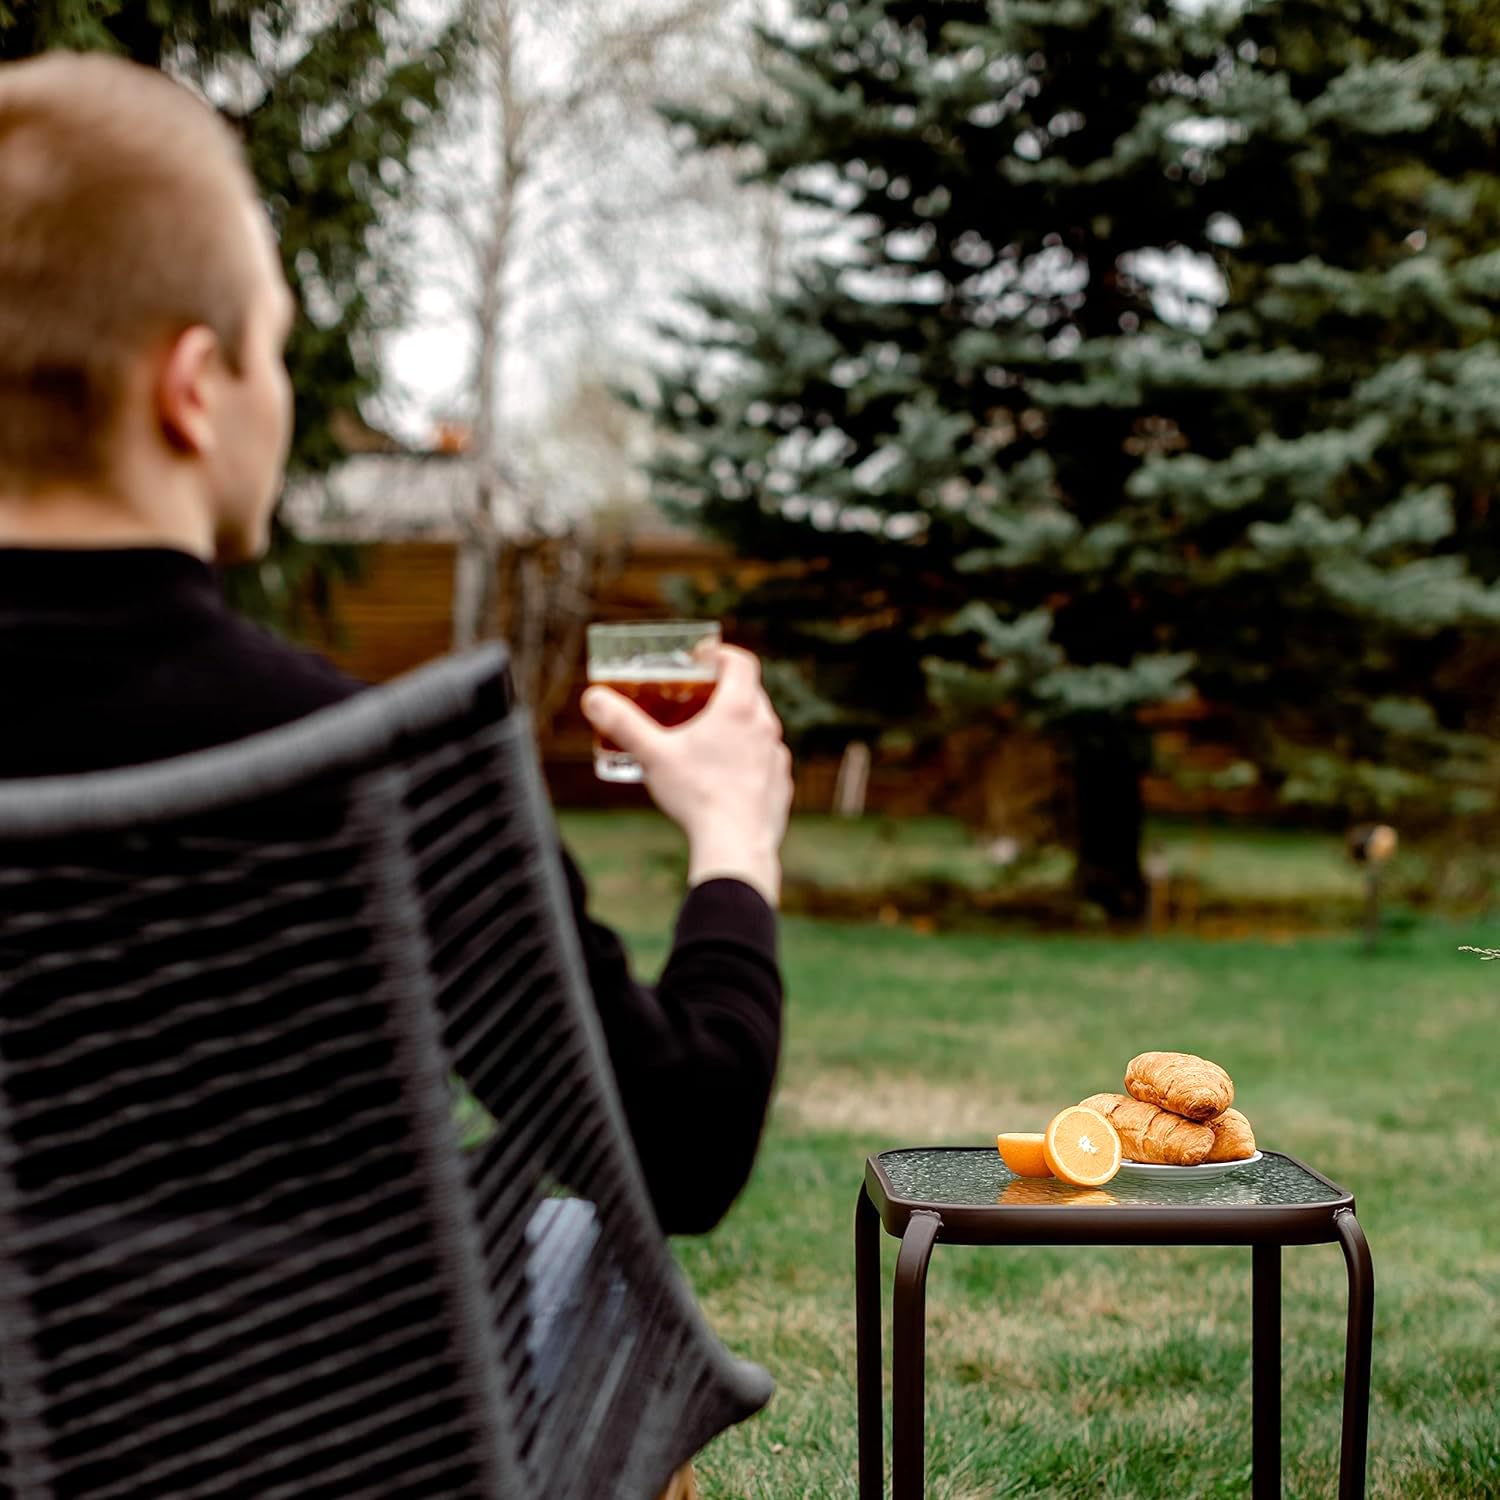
[553, 194]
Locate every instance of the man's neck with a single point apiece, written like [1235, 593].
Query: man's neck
[82, 519]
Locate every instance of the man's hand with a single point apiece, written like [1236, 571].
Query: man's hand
[724, 777]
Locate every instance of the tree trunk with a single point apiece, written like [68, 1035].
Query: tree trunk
[571, 606]
[1109, 820]
[528, 621]
[476, 588]
[482, 529]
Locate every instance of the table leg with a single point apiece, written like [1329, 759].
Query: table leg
[1357, 1356]
[909, 1355]
[867, 1348]
[1265, 1372]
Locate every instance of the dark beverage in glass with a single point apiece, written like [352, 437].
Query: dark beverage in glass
[668, 669]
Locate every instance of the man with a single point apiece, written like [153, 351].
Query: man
[145, 419]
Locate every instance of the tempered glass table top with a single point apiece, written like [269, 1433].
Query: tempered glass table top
[977, 1179]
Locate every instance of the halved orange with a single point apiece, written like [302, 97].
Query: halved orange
[1021, 1151]
[1027, 1192]
[1082, 1147]
[1090, 1198]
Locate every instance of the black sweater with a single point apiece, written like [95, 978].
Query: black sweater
[120, 657]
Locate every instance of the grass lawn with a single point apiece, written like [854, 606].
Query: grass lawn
[1238, 867]
[1121, 1373]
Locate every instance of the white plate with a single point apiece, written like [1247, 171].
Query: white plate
[1184, 1174]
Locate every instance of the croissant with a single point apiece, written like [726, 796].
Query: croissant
[1154, 1135]
[1234, 1140]
[1189, 1086]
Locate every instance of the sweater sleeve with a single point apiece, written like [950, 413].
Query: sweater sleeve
[694, 1057]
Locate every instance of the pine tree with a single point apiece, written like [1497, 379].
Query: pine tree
[1343, 562]
[902, 415]
[329, 101]
[1029, 477]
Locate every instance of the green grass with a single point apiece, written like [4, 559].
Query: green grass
[829, 851]
[1112, 1373]
[1260, 868]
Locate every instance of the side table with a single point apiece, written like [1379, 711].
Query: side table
[967, 1196]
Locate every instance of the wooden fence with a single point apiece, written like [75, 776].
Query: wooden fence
[398, 616]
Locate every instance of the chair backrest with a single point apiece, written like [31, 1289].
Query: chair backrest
[242, 1253]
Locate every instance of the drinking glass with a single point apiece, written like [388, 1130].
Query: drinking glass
[668, 668]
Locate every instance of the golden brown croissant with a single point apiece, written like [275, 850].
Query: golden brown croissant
[1189, 1086]
[1154, 1135]
[1234, 1140]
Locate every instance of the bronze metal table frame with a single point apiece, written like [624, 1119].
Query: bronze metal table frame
[1265, 1228]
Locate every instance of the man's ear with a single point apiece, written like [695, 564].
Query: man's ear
[184, 395]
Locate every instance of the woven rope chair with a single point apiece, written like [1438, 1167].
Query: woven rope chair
[242, 1253]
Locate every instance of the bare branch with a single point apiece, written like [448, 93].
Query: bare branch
[562, 195]
[621, 61]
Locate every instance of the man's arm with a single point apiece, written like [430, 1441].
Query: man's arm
[695, 1057]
